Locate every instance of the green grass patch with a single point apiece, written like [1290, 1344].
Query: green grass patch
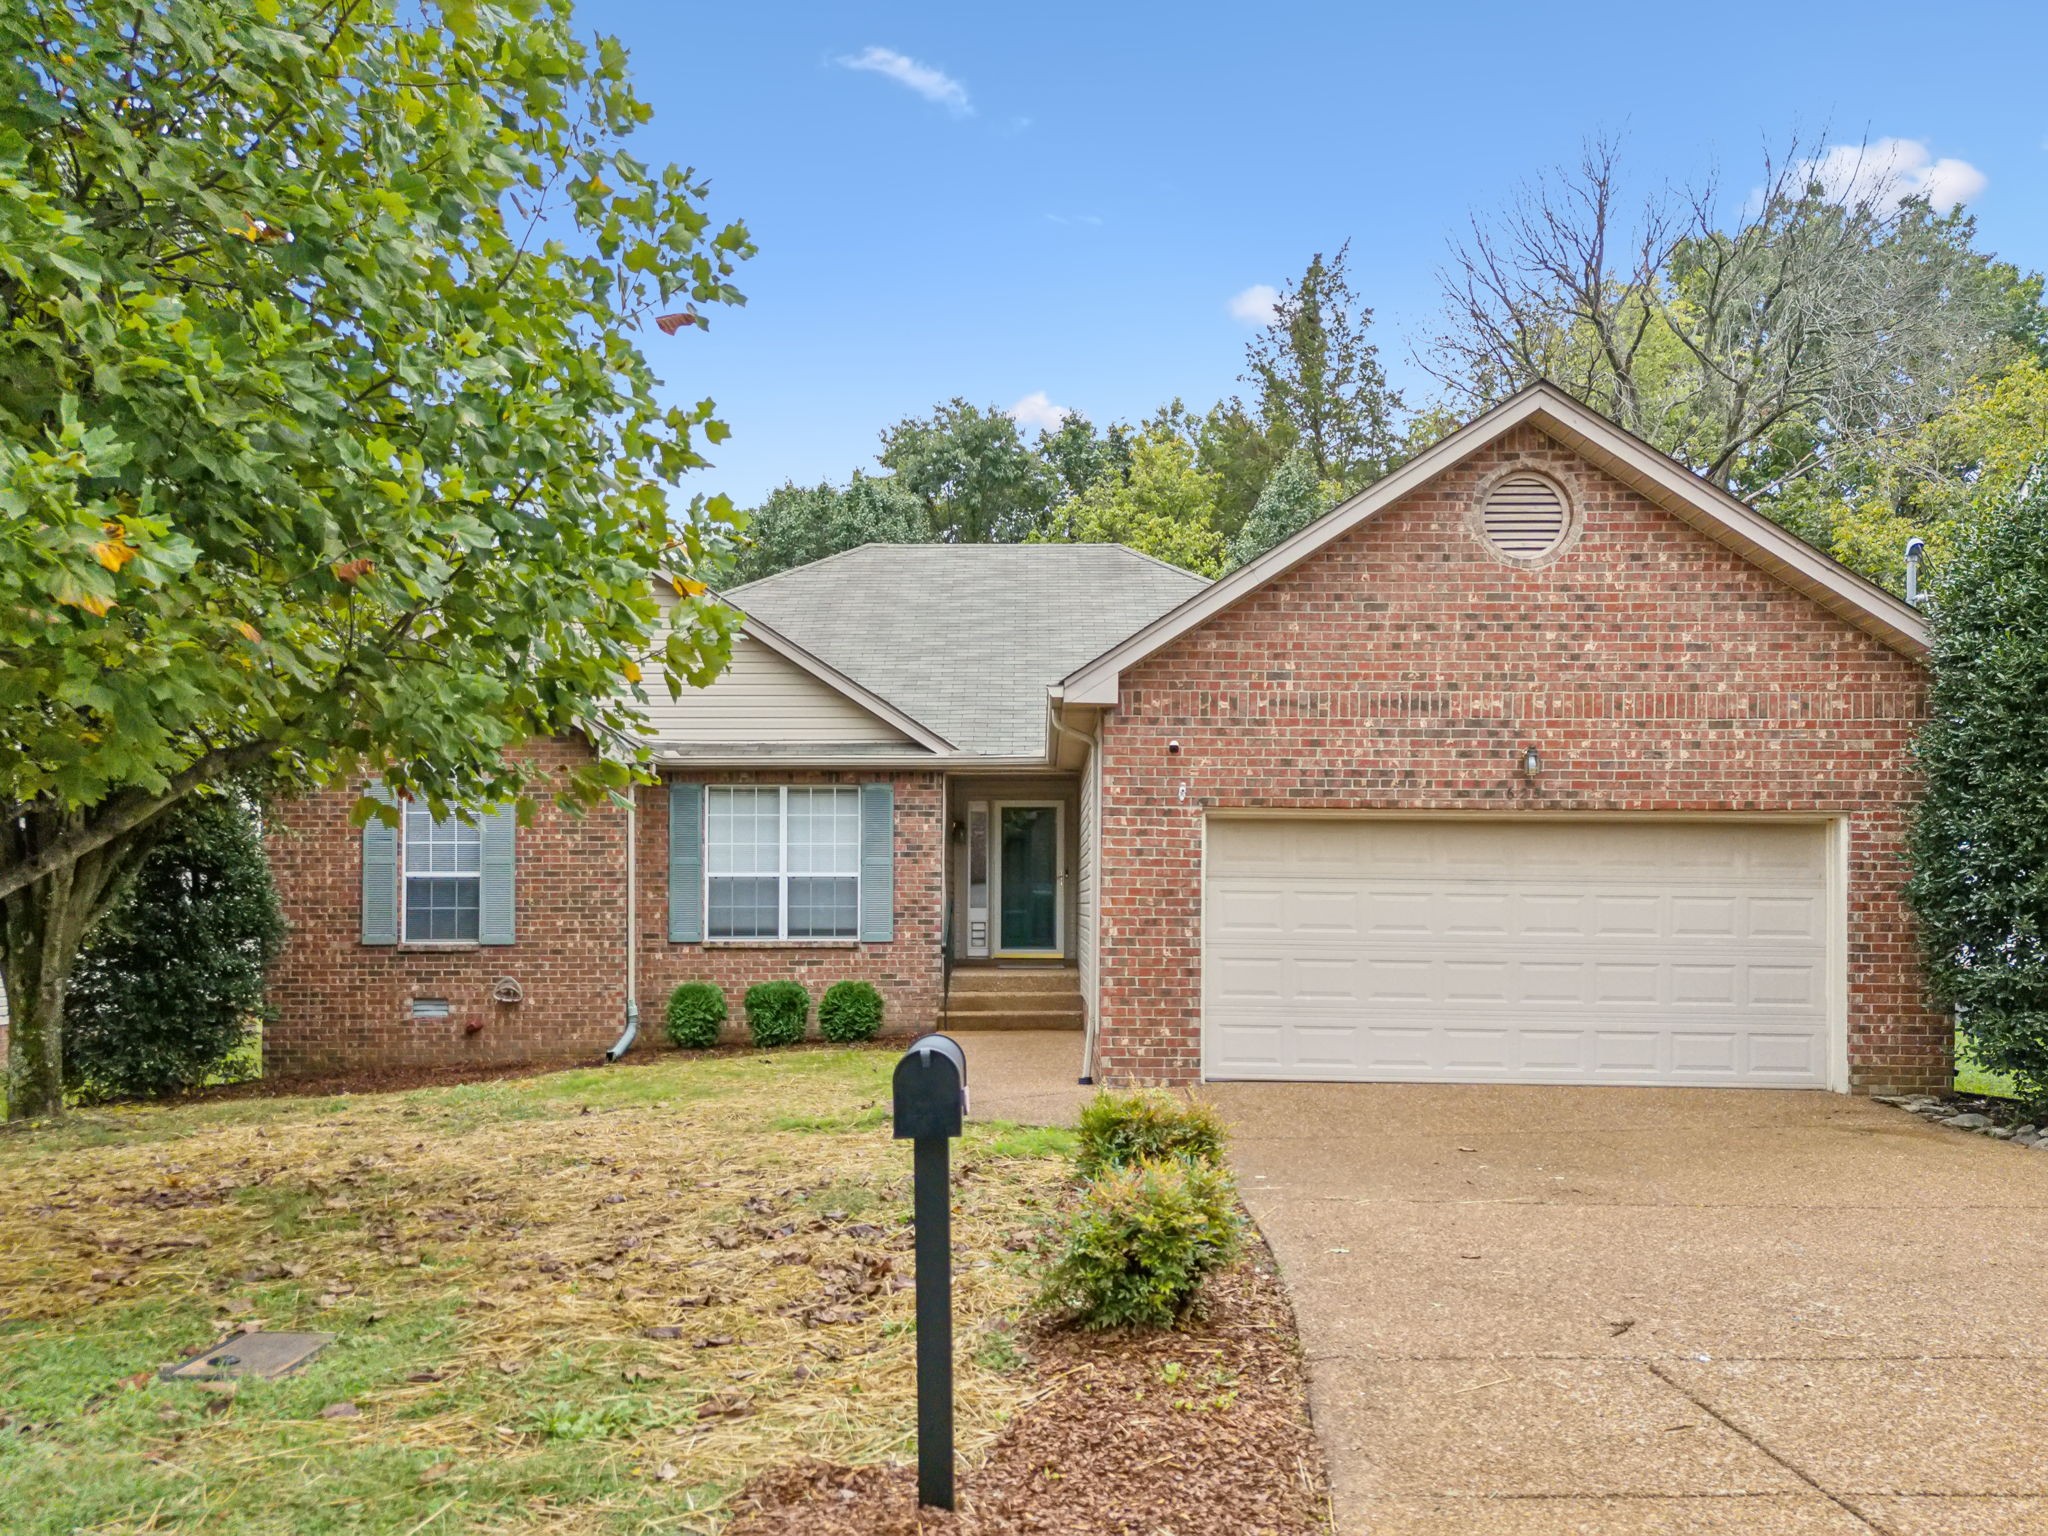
[1004, 1138]
[536, 1285]
[1972, 1078]
[867, 1119]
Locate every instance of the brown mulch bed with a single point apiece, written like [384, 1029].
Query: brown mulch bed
[1202, 1432]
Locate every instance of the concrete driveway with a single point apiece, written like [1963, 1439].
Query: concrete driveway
[1548, 1310]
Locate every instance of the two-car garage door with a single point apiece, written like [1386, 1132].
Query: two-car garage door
[1483, 950]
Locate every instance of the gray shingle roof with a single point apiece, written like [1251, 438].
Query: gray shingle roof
[967, 637]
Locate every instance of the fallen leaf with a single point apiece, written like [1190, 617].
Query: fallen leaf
[666, 1472]
[341, 1411]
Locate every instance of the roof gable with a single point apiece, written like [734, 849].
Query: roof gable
[967, 638]
[1703, 506]
[776, 698]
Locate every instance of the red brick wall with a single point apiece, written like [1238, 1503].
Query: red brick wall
[908, 971]
[1403, 667]
[341, 1006]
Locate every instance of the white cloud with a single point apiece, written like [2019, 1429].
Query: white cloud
[934, 85]
[1092, 220]
[1255, 305]
[1037, 410]
[1901, 166]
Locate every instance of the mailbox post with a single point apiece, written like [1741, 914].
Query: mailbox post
[930, 1106]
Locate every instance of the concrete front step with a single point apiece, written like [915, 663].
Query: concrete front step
[1014, 997]
[1010, 1018]
[996, 1002]
[981, 980]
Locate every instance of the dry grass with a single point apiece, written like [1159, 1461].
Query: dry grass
[588, 1301]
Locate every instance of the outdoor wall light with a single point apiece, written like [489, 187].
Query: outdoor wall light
[1532, 762]
[958, 830]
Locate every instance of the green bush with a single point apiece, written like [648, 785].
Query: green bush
[1118, 1129]
[1980, 844]
[850, 1012]
[1141, 1244]
[169, 986]
[696, 1010]
[776, 1011]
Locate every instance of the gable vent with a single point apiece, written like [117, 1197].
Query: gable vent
[1524, 517]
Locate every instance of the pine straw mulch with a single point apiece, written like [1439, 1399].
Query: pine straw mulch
[1203, 1432]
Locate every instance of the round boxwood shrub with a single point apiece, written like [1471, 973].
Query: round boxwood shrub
[776, 1011]
[1142, 1242]
[1118, 1129]
[696, 1010]
[850, 1012]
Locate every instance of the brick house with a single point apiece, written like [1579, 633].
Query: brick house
[1540, 760]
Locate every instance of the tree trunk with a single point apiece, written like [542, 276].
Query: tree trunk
[42, 928]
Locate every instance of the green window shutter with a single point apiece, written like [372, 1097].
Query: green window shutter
[380, 876]
[877, 863]
[498, 837]
[685, 862]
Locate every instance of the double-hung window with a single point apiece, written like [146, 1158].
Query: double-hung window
[443, 879]
[781, 862]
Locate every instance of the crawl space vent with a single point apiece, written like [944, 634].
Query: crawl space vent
[1524, 517]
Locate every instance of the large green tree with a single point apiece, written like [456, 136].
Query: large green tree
[1931, 482]
[1980, 846]
[326, 442]
[980, 482]
[1319, 381]
[1162, 505]
[1786, 340]
[801, 523]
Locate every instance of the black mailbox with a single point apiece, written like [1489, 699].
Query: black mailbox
[931, 1089]
[931, 1107]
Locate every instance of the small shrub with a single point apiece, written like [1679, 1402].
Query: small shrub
[696, 1011]
[776, 1012]
[1145, 1237]
[1118, 1129]
[850, 1012]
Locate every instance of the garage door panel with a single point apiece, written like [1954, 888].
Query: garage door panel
[1485, 951]
[1784, 917]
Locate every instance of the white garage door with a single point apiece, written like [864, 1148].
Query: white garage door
[1494, 951]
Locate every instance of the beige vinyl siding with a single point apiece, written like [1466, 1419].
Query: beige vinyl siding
[762, 699]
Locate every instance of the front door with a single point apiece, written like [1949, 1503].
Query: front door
[1028, 879]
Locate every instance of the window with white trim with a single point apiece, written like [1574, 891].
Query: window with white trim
[781, 862]
[443, 884]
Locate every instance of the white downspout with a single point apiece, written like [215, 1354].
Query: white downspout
[632, 1033]
[1053, 717]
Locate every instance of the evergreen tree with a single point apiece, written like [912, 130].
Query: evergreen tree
[1319, 378]
[1292, 500]
[1980, 845]
[169, 986]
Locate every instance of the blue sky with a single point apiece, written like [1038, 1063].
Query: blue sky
[1064, 201]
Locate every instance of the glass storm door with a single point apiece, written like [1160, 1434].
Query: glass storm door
[1030, 879]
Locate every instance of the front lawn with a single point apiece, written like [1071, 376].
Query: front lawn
[592, 1301]
[1971, 1078]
